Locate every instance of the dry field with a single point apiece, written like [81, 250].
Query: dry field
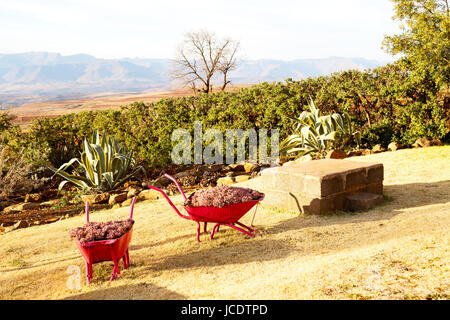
[398, 250]
[30, 111]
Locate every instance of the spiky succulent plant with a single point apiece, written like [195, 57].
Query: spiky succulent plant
[104, 165]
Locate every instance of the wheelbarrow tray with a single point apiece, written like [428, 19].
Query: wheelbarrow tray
[103, 250]
[227, 214]
[106, 250]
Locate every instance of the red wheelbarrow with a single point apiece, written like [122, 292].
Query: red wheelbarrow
[106, 250]
[226, 216]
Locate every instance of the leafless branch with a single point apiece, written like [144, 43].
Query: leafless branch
[201, 56]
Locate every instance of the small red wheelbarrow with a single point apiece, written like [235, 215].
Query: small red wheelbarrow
[106, 250]
[226, 216]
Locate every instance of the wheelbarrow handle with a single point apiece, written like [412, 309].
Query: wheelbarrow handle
[86, 209]
[170, 202]
[132, 207]
[168, 176]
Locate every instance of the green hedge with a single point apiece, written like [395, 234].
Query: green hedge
[384, 103]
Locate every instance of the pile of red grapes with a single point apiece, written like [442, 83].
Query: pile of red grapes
[96, 231]
[221, 196]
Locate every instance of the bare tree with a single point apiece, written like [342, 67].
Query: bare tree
[201, 56]
[228, 61]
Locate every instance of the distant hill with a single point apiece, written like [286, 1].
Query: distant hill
[45, 76]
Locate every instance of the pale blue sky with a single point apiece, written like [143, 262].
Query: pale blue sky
[280, 29]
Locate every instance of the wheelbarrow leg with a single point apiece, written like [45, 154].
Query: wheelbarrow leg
[88, 272]
[214, 230]
[240, 229]
[116, 266]
[126, 260]
[198, 231]
[244, 226]
[115, 271]
[204, 227]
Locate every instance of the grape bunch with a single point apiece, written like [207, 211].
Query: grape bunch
[96, 231]
[221, 196]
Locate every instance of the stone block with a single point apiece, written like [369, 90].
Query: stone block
[376, 188]
[363, 201]
[355, 179]
[375, 174]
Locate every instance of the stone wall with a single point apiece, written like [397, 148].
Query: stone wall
[319, 186]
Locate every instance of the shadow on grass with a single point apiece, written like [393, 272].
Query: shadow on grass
[50, 262]
[186, 237]
[236, 253]
[397, 199]
[141, 291]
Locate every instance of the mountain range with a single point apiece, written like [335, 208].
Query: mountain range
[45, 76]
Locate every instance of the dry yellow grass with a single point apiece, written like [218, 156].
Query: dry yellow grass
[398, 250]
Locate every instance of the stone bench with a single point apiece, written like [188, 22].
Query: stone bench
[321, 186]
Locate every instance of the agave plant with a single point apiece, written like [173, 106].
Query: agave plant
[315, 133]
[103, 165]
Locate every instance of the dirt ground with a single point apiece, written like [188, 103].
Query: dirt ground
[397, 250]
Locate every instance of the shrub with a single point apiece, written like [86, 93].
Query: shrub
[14, 175]
[382, 133]
[316, 133]
[104, 165]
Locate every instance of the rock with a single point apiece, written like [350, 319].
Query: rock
[225, 180]
[51, 202]
[425, 142]
[21, 207]
[378, 148]
[241, 178]
[149, 194]
[33, 197]
[18, 225]
[133, 192]
[336, 154]
[127, 202]
[367, 151]
[214, 167]
[421, 143]
[130, 183]
[117, 198]
[182, 174]
[197, 171]
[235, 167]
[12, 211]
[160, 182]
[393, 146]
[249, 167]
[96, 198]
[116, 206]
[436, 142]
[52, 219]
[297, 161]
[363, 201]
[254, 174]
[355, 153]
